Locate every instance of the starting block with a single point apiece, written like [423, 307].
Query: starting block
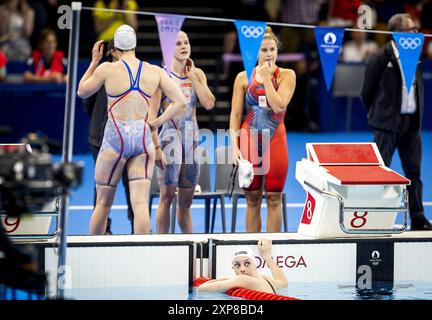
[350, 191]
[32, 226]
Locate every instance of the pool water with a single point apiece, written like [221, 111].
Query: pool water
[303, 291]
[341, 291]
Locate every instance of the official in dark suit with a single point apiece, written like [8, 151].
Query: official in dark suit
[95, 107]
[395, 115]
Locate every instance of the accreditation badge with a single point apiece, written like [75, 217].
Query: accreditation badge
[187, 94]
[262, 101]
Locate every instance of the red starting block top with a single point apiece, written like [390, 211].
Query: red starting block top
[355, 175]
[354, 163]
[344, 153]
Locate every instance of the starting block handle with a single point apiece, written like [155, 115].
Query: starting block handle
[342, 210]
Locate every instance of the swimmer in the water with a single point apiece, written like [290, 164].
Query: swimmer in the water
[246, 275]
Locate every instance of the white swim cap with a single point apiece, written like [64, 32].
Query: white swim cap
[246, 173]
[125, 38]
[244, 252]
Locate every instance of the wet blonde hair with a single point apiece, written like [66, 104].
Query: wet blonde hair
[269, 35]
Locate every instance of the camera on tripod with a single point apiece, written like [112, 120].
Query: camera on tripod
[28, 180]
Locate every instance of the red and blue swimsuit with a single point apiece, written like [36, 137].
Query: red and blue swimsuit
[269, 160]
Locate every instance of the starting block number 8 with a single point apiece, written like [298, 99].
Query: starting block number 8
[309, 210]
[355, 223]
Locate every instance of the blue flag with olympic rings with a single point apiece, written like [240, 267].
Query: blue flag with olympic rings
[329, 43]
[409, 46]
[250, 34]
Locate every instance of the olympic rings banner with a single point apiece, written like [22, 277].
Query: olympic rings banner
[250, 35]
[409, 46]
[329, 43]
[168, 27]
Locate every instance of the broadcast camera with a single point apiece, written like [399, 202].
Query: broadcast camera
[28, 180]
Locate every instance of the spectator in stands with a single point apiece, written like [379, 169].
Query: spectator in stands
[359, 48]
[426, 27]
[107, 22]
[244, 10]
[343, 13]
[3, 62]
[273, 9]
[297, 12]
[47, 64]
[385, 9]
[16, 27]
[51, 15]
[40, 21]
[246, 275]
[425, 16]
[429, 50]
[301, 113]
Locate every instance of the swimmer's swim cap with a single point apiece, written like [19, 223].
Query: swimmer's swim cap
[244, 252]
[125, 38]
[246, 173]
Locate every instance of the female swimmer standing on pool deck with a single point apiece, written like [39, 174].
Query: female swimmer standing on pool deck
[267, 97]
[129, 84]
[179, 139]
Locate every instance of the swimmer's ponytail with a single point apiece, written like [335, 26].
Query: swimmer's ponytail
[269, 34]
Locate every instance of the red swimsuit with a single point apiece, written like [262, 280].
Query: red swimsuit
[262, 121]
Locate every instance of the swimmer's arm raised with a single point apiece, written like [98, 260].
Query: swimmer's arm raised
[94, 77]
[264, 247]
[205, 96]
[178, 101]
[278, 100]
